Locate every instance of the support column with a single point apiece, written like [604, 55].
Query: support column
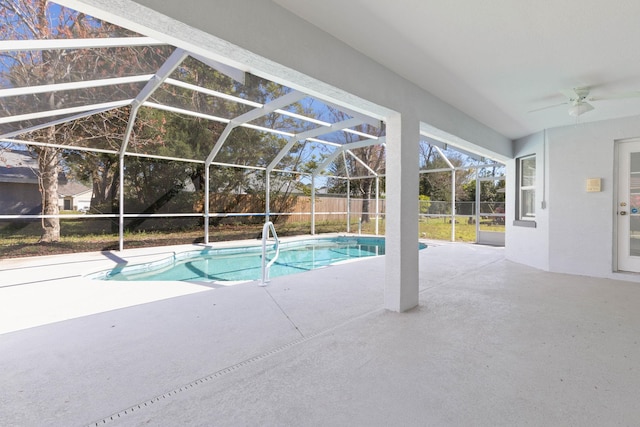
[477, 210]
[207, 178]
[121, 202]
[401, 253]
[377, 205]
[313, 204]
[349, 205]
[267, 197]
[453, 205]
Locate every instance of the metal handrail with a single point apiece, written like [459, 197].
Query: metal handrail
[266, 266]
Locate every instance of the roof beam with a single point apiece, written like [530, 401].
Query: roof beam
[321, 141]
[254, 104]
[363, 117]
[227, 70]
[57, 87]
[445, 158]
[62, 111]
[58, 44]
[359, 160]
[185, 112]
[328, 129]
[264, 129]
[54, 122]
[163, 73]
[211, 92]
[346, 168]
[310, 134]
[63, 146]
[165, 70]
[358, 144]
[270, 107]
[283, 101]
[445, 146]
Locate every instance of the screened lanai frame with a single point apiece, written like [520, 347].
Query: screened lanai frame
[26, 122]
[477, 164]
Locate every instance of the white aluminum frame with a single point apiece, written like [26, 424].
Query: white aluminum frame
[153, 82]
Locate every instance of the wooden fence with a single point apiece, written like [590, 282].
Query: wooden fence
[298, 209]
[330, 208]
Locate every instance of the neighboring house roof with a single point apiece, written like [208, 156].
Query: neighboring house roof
[72, 188]
[18, 166]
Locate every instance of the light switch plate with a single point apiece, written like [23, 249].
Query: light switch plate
[594, 185]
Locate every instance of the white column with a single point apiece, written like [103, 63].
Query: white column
[401, 253]
[121, 203]
[377, 204]
[267, 197]
[477, 210]
[453, 205]
[207, 175]
[348, 205]
[313, 204]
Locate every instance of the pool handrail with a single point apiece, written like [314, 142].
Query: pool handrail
[268, 226]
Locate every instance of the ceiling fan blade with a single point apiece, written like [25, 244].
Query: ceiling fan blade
[633, 94]
[569, 93]
[548, 107]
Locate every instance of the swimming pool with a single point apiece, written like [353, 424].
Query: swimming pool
[245, 263]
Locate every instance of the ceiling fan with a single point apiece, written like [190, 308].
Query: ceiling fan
[578, 100]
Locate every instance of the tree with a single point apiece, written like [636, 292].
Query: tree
[437, 185]
[492, 192]
[373, 156]
[150, 185]
[36, 19]
[181, 136]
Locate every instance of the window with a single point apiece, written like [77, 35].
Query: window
[526, 196]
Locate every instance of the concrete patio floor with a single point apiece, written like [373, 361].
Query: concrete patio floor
[493, 343]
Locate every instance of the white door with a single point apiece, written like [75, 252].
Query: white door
[628, 206]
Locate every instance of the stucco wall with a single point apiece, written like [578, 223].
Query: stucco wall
[528, 245]
[576, 230]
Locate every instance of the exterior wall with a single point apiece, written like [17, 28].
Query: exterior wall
[19, 198]
[528, 245]
[77, 203]
[581, 234]
[575, 231]
[82, 201]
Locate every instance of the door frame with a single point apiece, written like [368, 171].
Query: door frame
[616, 200]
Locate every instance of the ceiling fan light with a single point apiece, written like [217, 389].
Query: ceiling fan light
[580, 108]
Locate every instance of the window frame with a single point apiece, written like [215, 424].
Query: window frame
[522, 219]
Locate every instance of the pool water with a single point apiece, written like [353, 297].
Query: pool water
[241, 264]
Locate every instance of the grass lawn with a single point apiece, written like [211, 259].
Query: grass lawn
[21, 240]
[440, 228]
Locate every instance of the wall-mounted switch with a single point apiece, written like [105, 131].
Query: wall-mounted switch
[594, 185]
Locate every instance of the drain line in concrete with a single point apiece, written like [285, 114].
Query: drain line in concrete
[140, 406]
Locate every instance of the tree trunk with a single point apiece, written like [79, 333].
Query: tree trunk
[105, 178]
[366, 190]
[48, 166]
